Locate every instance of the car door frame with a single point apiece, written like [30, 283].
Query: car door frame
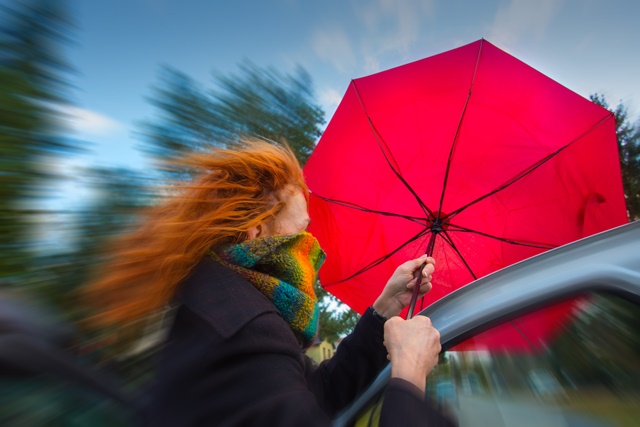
[607, 262]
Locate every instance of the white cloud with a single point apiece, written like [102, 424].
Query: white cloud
[65, 167]
[520, 19]
[89, 122]
[329, 98]
[396, 22]
[381, 28]
[371, 63]
[332, 44]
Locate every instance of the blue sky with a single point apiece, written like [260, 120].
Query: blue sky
[587, 45]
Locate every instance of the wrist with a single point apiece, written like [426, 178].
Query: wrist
[409, 374]
[378, 315]
[387, 307]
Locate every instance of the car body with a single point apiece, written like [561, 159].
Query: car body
[586, 371]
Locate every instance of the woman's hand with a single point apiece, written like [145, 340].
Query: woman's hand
[413, 347]
[396, 295]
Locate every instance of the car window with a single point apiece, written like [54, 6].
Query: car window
[572, 363]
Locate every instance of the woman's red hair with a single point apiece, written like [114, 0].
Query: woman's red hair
[233, 194]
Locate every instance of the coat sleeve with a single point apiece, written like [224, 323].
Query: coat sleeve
[359, 358]
[405, 405]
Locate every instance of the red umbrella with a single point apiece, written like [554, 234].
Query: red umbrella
[471, 150]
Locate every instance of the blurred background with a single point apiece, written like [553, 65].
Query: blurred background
[95, 96]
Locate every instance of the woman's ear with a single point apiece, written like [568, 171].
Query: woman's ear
[260, 230]
[254, 232]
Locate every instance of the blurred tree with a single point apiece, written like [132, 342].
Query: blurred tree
[32, 81]
[33, 88]
[118, 197]
[254, 102]
[600, 345]
[629, 148]
[336, 319]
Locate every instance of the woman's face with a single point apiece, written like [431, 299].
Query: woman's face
[292, 219]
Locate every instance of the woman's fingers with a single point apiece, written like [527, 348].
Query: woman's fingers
[414, 264]
[425, 289]
[427, 273]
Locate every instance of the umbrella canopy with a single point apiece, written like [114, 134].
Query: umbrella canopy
[472, 150]
[534, 331]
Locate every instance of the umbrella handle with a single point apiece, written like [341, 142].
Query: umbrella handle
[418, 276]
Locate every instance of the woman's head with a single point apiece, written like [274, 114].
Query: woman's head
[292, 218]
[254, 190]
[247, 189]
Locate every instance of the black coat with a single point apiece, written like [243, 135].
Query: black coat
[231, 360]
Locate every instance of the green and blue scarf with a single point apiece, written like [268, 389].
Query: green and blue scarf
[284, 269]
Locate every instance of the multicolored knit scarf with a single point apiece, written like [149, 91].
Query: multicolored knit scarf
[284, 269]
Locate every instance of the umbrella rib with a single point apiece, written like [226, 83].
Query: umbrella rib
[449, 240]
[421, 221]
[381, 259]
[531, 168]
[524, 337]
[457, 134]
[503, 239]
[380, 141]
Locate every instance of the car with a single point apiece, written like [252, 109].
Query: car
[553, 340]
[42, 383]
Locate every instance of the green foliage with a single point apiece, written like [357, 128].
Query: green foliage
[17, 177]
[254, 102]
[336, 319]
[601, 343]
[629, 148]
[32, 77]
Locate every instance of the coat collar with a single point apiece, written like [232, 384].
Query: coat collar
[222, 297]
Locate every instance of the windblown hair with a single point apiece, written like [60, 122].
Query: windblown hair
[238, 189]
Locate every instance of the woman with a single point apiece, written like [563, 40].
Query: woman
[231, 250]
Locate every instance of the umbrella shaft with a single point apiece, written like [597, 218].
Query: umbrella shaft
[418, 276]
